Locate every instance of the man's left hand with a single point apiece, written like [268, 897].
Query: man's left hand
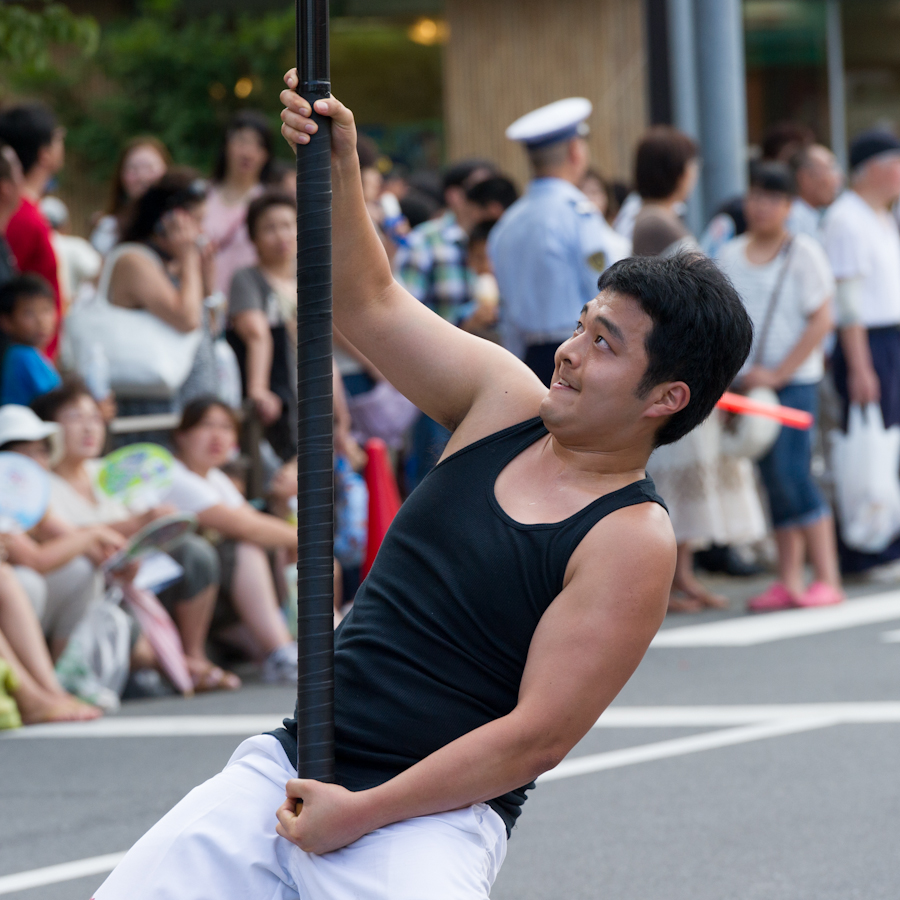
[332, 817]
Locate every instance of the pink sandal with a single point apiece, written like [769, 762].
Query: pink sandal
[775, 597]
[820, 594]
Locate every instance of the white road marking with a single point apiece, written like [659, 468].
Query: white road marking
[862, 713]
[94, 865]
[748, 631]
[151, 726]
[614, 717]
[754, 723]
[614, 759]
[891, 637]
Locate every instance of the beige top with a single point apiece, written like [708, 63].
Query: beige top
[72, 507]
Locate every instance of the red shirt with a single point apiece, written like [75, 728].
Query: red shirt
[28, 236]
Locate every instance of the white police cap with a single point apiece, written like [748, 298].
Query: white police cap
[550, 124]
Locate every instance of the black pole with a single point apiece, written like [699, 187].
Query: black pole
[315, 518]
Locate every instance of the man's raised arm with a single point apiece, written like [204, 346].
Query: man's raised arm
[442, 369]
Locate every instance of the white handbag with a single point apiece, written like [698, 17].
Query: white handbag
[147, 357]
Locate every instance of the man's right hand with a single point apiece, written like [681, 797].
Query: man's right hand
[297, 125]
[863, 385]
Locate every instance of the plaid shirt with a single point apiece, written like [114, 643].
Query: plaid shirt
[433, 268]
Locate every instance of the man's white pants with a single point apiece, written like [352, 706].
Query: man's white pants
[219, 843]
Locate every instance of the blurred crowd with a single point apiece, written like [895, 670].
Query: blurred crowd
[174, 322]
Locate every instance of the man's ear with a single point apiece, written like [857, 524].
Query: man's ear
[668, 399]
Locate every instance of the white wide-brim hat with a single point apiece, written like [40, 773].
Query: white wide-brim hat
[752, 436]
[19, 423]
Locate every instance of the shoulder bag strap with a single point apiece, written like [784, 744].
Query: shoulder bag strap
[773, 301]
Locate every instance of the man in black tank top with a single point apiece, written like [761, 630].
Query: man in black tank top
[513, 596]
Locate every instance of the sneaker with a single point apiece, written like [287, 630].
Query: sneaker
[280, 666]
[773, 598]
[820, 594]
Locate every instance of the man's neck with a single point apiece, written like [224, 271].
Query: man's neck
[35, 183]
[591, 464]
[873, 197]
[563, 173]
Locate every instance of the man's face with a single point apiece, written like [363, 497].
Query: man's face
[593, 401]
[819, 181]
[32, 321]
[886, 172]
[53, 156]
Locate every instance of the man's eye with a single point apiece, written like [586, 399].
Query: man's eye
[578, 328]
[601, 338]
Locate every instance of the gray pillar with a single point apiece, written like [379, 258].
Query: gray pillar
[683, 81]
[837, 102]
[723, 99]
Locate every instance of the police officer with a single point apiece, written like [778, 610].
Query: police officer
[551, 245]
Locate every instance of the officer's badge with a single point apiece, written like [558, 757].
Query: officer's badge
[597, 261]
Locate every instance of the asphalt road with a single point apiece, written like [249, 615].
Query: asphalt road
[745, 763]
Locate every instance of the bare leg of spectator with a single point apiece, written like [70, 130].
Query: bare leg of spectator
[255, 600]
[39, 696]
[791, 558]
[696, 596]
[193, 618]
[821, 544]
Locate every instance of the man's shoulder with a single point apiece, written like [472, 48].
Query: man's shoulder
[637, 535]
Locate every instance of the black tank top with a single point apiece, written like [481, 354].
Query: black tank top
[437, 639]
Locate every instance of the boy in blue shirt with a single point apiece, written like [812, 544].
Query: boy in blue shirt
[28, 323]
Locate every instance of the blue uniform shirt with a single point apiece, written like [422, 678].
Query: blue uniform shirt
[547, 251]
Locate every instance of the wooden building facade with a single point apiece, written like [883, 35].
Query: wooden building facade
[506, 57]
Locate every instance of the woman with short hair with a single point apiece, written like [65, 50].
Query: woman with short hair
[711, 497]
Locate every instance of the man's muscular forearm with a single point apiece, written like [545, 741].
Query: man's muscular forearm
[485, 763]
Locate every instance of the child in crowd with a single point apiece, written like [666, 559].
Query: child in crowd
[28, 320]
[787, 286]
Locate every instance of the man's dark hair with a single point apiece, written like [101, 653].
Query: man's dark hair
[772, 176]
[481, 231]
[265, 202]
[783, 139]
[496, 189]
[20, 287]
[660, 161]
[246, 118]
[6, 172]
[367, 151]
[27, 129]
[701, 333]
[179, 188]
[459, 173]
[418, 207]
[47, 406]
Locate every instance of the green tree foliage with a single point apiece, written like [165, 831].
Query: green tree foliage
[180, 77]
[27, 34]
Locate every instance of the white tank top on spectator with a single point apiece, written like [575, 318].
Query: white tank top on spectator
[807, 284]
[864, 243]
[193, 493]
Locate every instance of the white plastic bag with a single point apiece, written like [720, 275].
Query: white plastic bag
[146, 356]
[866, 465]
[95, 663]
